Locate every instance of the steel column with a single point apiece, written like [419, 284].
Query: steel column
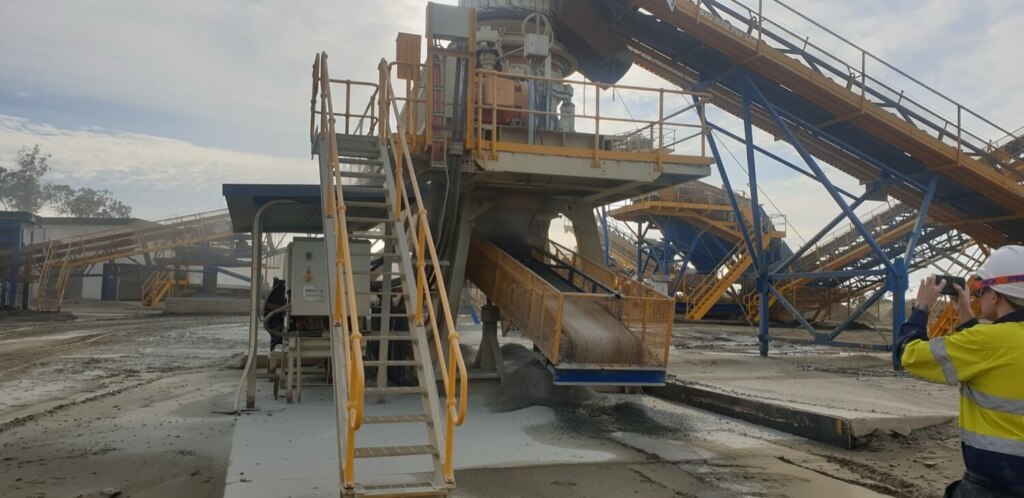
[897, 281]
[760, 263]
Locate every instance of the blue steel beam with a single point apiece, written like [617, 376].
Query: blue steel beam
[822, 177]
[780, 160]
[792, 310]
[923, 213]
[760, 262]
[713, 145]
[824, 231]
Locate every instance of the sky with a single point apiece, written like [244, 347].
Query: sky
[161, 102]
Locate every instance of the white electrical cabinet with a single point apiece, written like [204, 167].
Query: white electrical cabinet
[309, 281]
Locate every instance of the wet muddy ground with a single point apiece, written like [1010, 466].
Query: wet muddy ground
[124, 402]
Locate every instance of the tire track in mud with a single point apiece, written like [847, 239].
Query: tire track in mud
[107, 331]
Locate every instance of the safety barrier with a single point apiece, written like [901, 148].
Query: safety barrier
[620, 324]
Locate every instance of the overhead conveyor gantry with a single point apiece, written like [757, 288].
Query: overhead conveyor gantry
[836, 112]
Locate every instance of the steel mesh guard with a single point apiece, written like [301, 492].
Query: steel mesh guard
[629, 329]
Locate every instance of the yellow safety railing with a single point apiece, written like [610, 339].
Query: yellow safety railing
[614, 137]
[343, 311]
[413, 215]
[629, 325]
[153, 285]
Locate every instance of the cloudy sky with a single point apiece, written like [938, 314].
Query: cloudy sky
[161, 102]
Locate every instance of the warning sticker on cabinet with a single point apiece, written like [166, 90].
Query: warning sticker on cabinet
[312, 293]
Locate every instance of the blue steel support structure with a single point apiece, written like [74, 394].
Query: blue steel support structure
[760, 261]
[894, 268]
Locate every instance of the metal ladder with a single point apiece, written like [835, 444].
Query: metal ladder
[392, 246]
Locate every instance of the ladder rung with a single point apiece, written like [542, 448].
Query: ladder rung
[392, 363]
[393, 313]
[393, 451]
[371, 272]
[361, 235]
[395, 390]
[396, 419]
[361, 219]
[378, 338]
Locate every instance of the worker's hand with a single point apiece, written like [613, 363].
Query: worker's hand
[963, 304]
[929, 291]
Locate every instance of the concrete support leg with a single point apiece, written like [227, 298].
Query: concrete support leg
[584, 225]
[489, 357]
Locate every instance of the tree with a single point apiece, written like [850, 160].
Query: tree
[20, 189]
[86, 202]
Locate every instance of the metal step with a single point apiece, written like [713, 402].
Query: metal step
[410, 490]
[366, 204]
[364, 235]
[444, 262]
[362, 219]
[378, 338]
[361, 174]
[393, 313]
[392, 363]
[362, 188]
[394, 451]
[396, 419]
[395, 390]
[367, 161]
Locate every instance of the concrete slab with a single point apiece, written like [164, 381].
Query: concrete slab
[291, 450]
[855, 388]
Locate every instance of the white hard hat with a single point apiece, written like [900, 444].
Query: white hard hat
[1004, 271]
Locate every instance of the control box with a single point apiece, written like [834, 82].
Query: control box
[309, 280]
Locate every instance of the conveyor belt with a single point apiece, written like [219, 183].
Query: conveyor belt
[616, 333]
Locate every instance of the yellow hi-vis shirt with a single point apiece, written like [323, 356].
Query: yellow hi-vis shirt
[988, 361]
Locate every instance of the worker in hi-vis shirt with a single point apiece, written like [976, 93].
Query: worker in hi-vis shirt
[987, 359]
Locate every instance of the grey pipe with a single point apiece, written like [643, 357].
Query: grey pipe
[254, 295]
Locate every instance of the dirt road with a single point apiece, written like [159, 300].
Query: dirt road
[116, 402]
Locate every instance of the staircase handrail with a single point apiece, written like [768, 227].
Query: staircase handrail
[424, 249]
[140, 226]
[850, 229]
[349, 322]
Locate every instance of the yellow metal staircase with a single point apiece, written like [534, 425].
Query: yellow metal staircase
[714, 286]
[359, 161]
[159, 286]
